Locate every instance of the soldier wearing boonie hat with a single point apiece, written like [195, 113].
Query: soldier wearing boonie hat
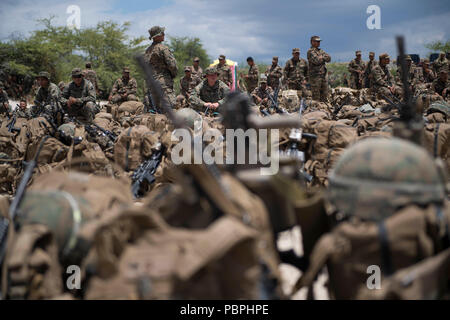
[124, 88]
[317, 58]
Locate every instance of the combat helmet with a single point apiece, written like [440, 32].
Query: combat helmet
[375, 177]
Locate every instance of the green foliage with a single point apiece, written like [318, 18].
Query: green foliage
[185, 50]
[59, 49]
[336, 71]
[438, 46]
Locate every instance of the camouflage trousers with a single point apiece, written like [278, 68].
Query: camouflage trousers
[167, 86]
[117, 98]
[319, 87]
[355, 83]
[86, 111]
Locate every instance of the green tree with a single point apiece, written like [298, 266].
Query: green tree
[439, 46]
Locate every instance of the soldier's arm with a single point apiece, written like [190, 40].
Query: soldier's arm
[351, 67]
[65, 94]
[171, 63]
[195, 100]
[286, 70]
[314, 58]
[326, 57]
[90, 97]
[224, 91]
[306, 72]
[132, 86]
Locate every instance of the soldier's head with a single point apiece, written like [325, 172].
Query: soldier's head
[222, 59]
[358, 55]
[187, 72]
[371, 55]
[442, 55]
[426, 63]
[408, 60]
[263, 83]
[88, 65]
[196, 62]
[23, 104]
[315, 41]
[443, 75]
[250, 61]
[367, 184]
[157, 33]
[211, 75]
[61, 85]
[43, 79]
[296, 53]
[384, 59]
[275, 61]
[126, 73]
[77, 76]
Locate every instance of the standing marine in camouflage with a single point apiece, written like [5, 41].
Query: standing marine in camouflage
[441, 63]
[196, 70]
[91, 75]
[356, 68]
[368, 69]
[261, 94]
[381, 77]
[22, 111]
[251, 79]
[317, 70]
[224, 71]
[5, 108]
[78, 98]
[48, 96]
[124, 89]
[163, 62]
[187, 84]
[210, 93]
[295, 72]
[274, 74]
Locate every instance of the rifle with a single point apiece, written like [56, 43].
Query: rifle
[146, 172]
[151, 106]
[4, 222]
[11, 124]
[93, 131]
[111, 135]
[336, 111]
[275, 104]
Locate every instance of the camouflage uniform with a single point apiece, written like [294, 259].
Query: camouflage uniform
[438, 86]
[262, 94]
[318, 73]
[224, 72]
[48, 98]
[295, 73]
[4, 102]
[274, 74]
[20, 113]
[197, 73]
[440, 64]
[85, 95]
[121, 86]
[428, 75]
[91, 75]
[252, 80]
[381, 80]
[163, 62]
[204, 93]
[186, 86]
[354, 67]
[368, 70]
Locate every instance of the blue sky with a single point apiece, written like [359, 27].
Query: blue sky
[260, 28]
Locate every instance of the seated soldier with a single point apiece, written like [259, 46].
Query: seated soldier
[261, 94]
[47, 97]
[187, 83]
[5, 108]
[124, 89]
[78, 98]
[441, 85]
[210, 93]
[22, 111]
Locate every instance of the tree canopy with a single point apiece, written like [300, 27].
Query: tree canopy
[58, 49]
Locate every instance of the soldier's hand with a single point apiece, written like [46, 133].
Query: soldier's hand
[207, 104]
[214, 105]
